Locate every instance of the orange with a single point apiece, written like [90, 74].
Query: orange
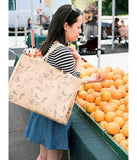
[109, 107]
[97, 87]
[91, 70]
[122, 101]
[126, 100]
[99, 115]
[102, 73]
[82, 94]
[91, 107]
[81, 88]
[114, 105]
[97, 101]
[125, 79]
[117, 76]
[116, 102]
[82, 69]
[113, 128]
[90, 91]
[110, 116]
[97, 94]
[124, 144]
[78, 99]
[108, 69]
[103, 124]
[125, 130]
[107, 83]
[126, 122]
[126, 87]
[83, 73]
[122, 107]
[119, 137]
[111, 88]
[91, 98]
[85, 76]
[116, 94]
[122, 89]
[102, 105]
[125, 74]
[119, 120]
[117, 70]
[92, 114]
[110, 75]
[118, 112]
[125, 116]
[88, 86]
[86, 65]
[106, 89]
[105, 95]
[83, 104]
[118, 83]
[126, 108]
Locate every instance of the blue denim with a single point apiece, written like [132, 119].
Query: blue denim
[52, 135]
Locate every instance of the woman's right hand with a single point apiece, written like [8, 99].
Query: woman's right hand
[77, 58]
[74, 53]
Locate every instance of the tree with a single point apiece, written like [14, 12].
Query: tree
[121, 7]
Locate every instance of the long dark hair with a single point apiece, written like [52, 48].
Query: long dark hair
[56, 32]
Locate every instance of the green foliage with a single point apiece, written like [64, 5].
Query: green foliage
[121, 6]
[81, 4]
[107, 7]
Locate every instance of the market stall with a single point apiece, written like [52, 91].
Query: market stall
[88, 139]
[86, 143]
[101, 109]
[38, 40]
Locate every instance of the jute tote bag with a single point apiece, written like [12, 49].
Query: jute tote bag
[41, 88]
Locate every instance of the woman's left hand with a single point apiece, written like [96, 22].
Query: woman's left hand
[93, 79]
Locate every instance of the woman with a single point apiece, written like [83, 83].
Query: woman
[64, 27]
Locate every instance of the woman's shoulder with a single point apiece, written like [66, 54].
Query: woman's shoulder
[62, 47]
[62, 50]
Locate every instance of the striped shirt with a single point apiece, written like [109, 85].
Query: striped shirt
[62, 58]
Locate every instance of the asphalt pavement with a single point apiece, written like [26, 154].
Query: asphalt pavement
[19, 147]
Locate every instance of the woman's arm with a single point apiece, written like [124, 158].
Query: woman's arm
[77, 59]
[94, 78]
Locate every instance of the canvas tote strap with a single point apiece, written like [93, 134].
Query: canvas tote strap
[51, 50]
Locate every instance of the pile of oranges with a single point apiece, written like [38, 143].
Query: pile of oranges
[107, 101]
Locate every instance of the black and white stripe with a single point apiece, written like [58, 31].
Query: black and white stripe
[62, 58]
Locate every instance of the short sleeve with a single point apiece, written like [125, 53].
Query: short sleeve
[64, 59]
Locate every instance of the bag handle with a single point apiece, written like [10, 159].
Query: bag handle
[51, 50]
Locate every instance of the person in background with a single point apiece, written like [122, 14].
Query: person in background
[124, 30]
[122, 23]
[65, 27]
[117, 30]
[43, 21]
[91, 21]
[29, 23]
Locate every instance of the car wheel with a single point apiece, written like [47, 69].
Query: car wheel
[104, 34]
